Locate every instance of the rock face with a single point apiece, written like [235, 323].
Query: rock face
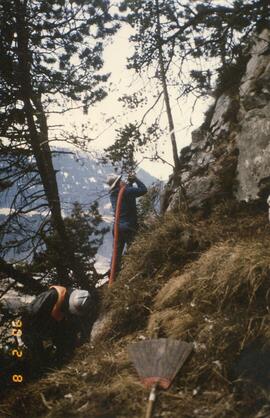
[253, 140]
[231, 155]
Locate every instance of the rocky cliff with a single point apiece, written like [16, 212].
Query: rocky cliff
[230, 153]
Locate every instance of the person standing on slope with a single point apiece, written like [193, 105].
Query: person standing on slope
[123, 199]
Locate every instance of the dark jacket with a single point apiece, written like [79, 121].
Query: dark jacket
[38, 323]
[40, 309]
[128, 215]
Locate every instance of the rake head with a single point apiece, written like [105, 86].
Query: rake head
[157, 361]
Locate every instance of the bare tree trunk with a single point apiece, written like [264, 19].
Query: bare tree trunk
[165, 91]
[35, 117]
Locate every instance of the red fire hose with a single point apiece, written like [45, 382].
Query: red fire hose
[116, 233]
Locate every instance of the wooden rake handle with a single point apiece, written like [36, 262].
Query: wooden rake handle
[151, 400]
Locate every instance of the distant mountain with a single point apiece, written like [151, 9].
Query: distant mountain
[81, 178]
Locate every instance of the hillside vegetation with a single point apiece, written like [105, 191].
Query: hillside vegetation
[195, 277]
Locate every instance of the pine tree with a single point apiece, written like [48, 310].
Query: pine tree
[50, 52]
[86, 231]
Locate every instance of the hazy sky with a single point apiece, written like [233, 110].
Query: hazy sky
[109, 115]
[124, 82]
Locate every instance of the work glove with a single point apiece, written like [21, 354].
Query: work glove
[131, 178]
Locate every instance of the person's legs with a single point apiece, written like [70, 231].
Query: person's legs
[125, 237]
[129, 236]
[34, 343]
[120, 248]
[65, 339]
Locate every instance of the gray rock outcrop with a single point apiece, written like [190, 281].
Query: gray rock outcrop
[231, 155]
[253, 140]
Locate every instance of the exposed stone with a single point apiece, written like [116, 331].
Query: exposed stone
[258, 65]
[205, 158]
[222, 107]
[175, 201]
[255, 101]
[253, 140]
[232, 157]
[199, 139]
[254, 153]
[264, 188]
[201, 190]
[101, 327]
[185, 176]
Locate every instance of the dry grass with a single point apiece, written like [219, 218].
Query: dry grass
[154, 256]
[233, 274]
[221, 304]
[171, 323]
[170, 292]
[214, 292]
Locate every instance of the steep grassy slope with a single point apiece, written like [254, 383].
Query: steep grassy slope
[201, 279]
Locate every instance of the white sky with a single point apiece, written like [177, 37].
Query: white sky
[109, 114]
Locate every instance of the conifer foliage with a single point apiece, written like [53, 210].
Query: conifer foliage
[51, 56]
[192, 30]
[86, 231]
